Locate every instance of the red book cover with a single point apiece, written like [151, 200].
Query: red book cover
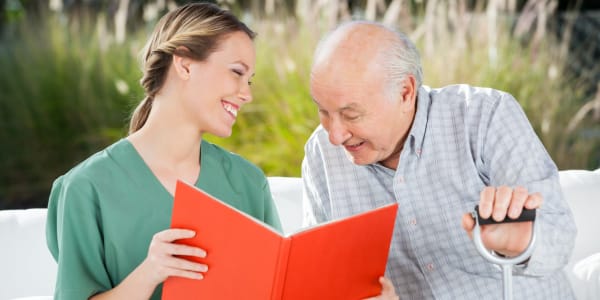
[247, 259]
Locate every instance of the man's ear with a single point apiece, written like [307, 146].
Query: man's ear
[408, 93]
[182, 63]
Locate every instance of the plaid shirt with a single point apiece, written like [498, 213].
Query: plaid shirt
[463, 139]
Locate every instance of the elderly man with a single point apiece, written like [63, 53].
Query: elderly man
[437, 152]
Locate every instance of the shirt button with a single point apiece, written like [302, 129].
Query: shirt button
[418, 151]
[413, 222]
[430, 267]
[400, 179]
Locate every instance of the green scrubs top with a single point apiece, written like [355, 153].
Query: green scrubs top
[103, 213]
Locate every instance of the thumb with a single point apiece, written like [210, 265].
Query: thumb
[468, 224]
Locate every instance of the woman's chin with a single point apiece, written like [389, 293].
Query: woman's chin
[222, 133]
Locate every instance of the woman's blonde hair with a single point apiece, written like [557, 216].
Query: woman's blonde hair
[194, 31]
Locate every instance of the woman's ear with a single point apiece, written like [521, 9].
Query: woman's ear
[182, 63]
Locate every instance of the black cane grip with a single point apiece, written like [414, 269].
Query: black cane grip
[526, 215]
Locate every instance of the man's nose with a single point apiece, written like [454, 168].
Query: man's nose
[338, 133]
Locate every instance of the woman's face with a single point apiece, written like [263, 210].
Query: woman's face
[219, 86]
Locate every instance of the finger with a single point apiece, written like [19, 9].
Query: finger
[534, 201]
[186, 274]
[501, 202]
[468, 224]
[486, 201]
[387, 287]
[388, 291]
[519, 196]
[173, 234]
[184, 264]
[177, 249]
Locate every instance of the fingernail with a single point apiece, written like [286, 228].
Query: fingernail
[497, 217]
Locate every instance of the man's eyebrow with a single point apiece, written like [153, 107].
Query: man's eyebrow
[351, 106]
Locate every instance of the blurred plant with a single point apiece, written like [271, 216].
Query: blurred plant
[66, 93]
[69, 82]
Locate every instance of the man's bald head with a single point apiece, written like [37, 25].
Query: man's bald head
[368, 48]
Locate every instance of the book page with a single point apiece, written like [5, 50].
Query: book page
[342, 259]
[241, 253]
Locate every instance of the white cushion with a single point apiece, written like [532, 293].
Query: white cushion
[586, 277]
[582, 191]
[287, 193]
[27, 268]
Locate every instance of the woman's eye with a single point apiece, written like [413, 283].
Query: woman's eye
[238, 72]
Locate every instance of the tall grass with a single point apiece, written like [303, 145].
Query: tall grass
[67, 87]
[64, 95]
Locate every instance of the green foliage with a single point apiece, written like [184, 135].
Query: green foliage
[67, 89]
[60, 102]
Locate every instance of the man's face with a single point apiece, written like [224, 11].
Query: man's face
[360, 113]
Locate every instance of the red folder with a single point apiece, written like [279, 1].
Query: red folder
[248, 260]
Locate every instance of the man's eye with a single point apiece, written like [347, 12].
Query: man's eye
[351, 118]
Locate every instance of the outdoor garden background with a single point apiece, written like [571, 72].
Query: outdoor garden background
[69, 73]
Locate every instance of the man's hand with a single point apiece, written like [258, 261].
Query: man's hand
[508, 239]
[387, 290]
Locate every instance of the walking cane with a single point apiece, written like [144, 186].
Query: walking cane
[505, 263]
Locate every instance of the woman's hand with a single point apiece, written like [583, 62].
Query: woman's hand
[387, 290]
[162, 260]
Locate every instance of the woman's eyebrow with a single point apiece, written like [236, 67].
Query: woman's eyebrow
[243, 64]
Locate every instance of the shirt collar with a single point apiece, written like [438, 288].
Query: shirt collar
[417, 131]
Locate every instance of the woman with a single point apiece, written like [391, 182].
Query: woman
[108, 216]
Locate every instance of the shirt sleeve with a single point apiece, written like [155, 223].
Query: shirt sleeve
[74, 237]
[513, 155]
[314, 192]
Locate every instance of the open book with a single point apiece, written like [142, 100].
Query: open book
[249, 260]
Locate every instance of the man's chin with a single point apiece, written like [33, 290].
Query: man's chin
[358, 160]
